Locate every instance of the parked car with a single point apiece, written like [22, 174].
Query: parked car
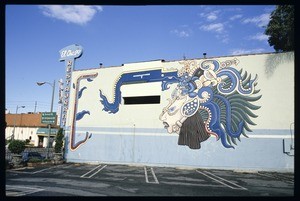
[28, 155]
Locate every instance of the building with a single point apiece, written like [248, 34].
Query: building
[29, 126]
[231, 112]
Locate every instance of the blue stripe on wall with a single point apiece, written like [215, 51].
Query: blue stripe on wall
[162, 130]
[250, 153]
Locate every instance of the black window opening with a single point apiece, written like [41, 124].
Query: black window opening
[141, 100]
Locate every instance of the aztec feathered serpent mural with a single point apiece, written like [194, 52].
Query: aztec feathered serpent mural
[210, 98]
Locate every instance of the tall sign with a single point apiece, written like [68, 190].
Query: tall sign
[68, 54]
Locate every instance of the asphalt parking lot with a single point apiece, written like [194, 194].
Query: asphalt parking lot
[73, 179]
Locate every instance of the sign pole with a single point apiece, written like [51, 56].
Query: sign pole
[48, 145]
[51, 110]
[49, 119]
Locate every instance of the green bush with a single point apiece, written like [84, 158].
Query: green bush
[59, 141]
[16, 146]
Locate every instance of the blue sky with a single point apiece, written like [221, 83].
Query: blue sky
[114, 35]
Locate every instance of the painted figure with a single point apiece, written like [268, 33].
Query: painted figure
[210, 100]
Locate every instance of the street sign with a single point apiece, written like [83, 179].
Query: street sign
[48, 117]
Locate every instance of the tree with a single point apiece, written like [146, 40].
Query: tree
[59, 141]
[16, 146]
[281, 28]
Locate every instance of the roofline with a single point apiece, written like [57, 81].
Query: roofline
[236, 55]
[163, 60]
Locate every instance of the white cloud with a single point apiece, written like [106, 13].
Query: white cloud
[211, 16]
[236, 17]
[181, 33]
[216, 27]
[78, 14]
[259, 37]
[260, 21]
[246, 51]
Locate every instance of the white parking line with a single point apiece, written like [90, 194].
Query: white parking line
[84, 175]
[146, 175]
[90, 171]
[153, 174]
[155, 178]
[12, 190]
[98, 171]
[230, 185]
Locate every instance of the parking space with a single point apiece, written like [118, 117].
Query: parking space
[123, 180]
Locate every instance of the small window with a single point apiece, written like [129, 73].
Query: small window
[141, 100]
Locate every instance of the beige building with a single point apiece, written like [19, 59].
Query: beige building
[29, 126]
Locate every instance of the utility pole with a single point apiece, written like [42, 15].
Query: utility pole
[35, 106]
[13, 135]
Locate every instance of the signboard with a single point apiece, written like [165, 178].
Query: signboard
[48, 117]
[45, 131]
[68, 54]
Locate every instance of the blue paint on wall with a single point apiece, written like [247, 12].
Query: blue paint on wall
[81, 114]
[162, 150]
[136, 77]
[219, 105]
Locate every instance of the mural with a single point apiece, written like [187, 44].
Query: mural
[80, 139]
[210, 98]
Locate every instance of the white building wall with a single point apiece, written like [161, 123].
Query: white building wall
[23, 133]
[135, 134]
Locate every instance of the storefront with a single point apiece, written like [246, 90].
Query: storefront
[42, 134]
